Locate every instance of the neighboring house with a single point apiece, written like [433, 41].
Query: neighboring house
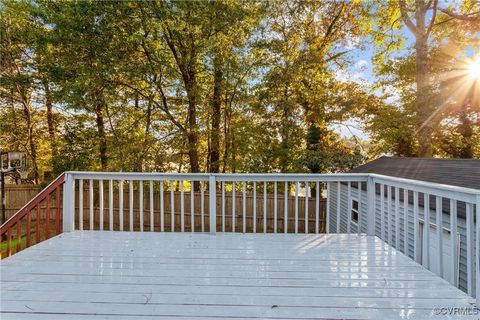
[456, 172]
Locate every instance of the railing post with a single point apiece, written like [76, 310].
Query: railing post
[370, 206]
[212, 188]
[477, 250]
[69, 203]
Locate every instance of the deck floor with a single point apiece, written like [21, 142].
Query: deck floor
[123, 275]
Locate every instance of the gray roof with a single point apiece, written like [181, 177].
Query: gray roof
[456, 172]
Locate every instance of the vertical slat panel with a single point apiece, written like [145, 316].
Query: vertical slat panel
[90, 199]
[349, 207]
[37, 223]
[182, 206]
[338, 206]
[285, 210]
[307, 190]
[80, 204]
[192, 206]
[397, 218]
[453, 243]
[202, 205]
[382, 211]
[120, 204]
[389, 210]
[426, 231]
[405, 221]
[131, 205]
[100, 199]
[275, 206]
[244, 207]
[327, 223]
[233, 206]
[172, 206]
[223, 206]
[416, 249]
[438, 211]
[152, 208]
[110, 205]
[265, 214]
[317, 207]
[470, 244]
[162, 209]
[296, 206]
[254, 206]
[360, 219]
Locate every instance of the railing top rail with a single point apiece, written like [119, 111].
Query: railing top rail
[32, 203]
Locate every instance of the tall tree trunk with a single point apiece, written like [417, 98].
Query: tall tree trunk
[466, 131]
[31, 142]
[50, 120]
[99, 109]
[214, 156]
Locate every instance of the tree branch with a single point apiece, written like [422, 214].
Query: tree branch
[434, 15]
[474, 16]
[406, 18]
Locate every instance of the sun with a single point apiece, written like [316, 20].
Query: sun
[474, 68]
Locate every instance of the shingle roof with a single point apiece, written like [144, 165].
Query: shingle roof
[456, 172]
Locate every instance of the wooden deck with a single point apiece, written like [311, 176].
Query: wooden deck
[123, 275]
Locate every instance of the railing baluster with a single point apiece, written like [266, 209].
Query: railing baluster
[172, 206]
[152, 208]
[327, 209]
[110, 204]
[29, 220]
[192, 206]
[162, 209]
[349, 207]
[9, 242]
[275, 206]
[182, 207]
[470, 244]
[389, 210]
[405, 221]
[47, 218]
[202, 205]
[359, 228]
[438, 209]
[140, 203]
[212, 192]
[244, 207]
[426, 229]
[338, 206]
[477, 249]
[223, 206]
[397, 218]
[57, 217]
[37, 224]
[416, 249]
[285, 213]
[80, 204]
[120, 204]
[307, 189]
[131, 205]
[317, 207]
[265, 214]
[453, 242]
[100, 193]
[233, 206]
[296, 206]
[90, 197]
[382, 211]
[19, 236]
[254, 206]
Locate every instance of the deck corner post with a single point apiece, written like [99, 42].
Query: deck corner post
[212, 188]
[68, 203]
[370, 206]
[477, 250]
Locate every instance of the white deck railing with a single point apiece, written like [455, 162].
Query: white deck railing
[391, 208]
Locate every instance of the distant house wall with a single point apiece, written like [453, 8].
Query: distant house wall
[461, 223]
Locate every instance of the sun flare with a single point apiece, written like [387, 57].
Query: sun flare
[474, 68]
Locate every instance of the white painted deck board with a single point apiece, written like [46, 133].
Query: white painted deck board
[104, 275]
